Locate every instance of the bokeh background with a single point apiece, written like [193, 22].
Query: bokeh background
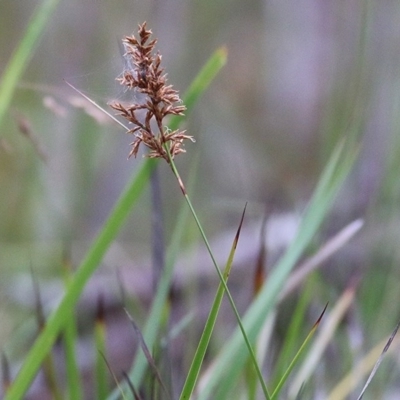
[301, 76]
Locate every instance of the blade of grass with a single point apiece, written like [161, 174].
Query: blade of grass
[344, 388]
[122, 394]
[378, 362]
[327, 250]
[177, 329]
[131, 387]
[324, 337]
[148, 355]
[297, 277]
[198, 358]
[221, 278]
[294, 330]
[233, 355]
[95, 254]
[74, 384]
[23, 53]
[296, 357]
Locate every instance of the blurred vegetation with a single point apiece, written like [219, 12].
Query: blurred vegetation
[300, 78]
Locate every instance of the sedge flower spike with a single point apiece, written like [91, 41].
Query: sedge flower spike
[158, 100]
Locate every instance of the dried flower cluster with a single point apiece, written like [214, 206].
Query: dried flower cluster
[160, 100]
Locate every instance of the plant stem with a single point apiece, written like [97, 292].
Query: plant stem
[222, 279]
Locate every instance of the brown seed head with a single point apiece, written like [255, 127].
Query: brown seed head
[146, 76]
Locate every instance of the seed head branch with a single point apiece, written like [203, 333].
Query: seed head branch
[147, 77]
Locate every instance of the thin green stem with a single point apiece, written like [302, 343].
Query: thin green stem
[221, 277]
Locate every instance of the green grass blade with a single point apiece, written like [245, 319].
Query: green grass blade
[325, 335]
[291, 342]
[202, 81]
[74, 385]
[198, 358]
[233, 355]
[353, 379]
[60, 316]
[379, 361]
[221, 278]
[70, 334]
[23, 53]
[296, 357]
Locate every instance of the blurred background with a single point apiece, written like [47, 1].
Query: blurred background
[301, 76]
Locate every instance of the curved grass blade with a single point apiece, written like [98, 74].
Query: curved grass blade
[333, 245]
[70, 334]
[344, 388]
[291, 340]
[324, 337]
[123, 397]
[202, 81]
[131, 387]
[23, 53]
[95, 254]
[197, 361]
[296, 357]
[148, 355]
[378, 362]
[74, 385]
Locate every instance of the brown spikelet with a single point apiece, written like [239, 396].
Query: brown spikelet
[158, 100]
